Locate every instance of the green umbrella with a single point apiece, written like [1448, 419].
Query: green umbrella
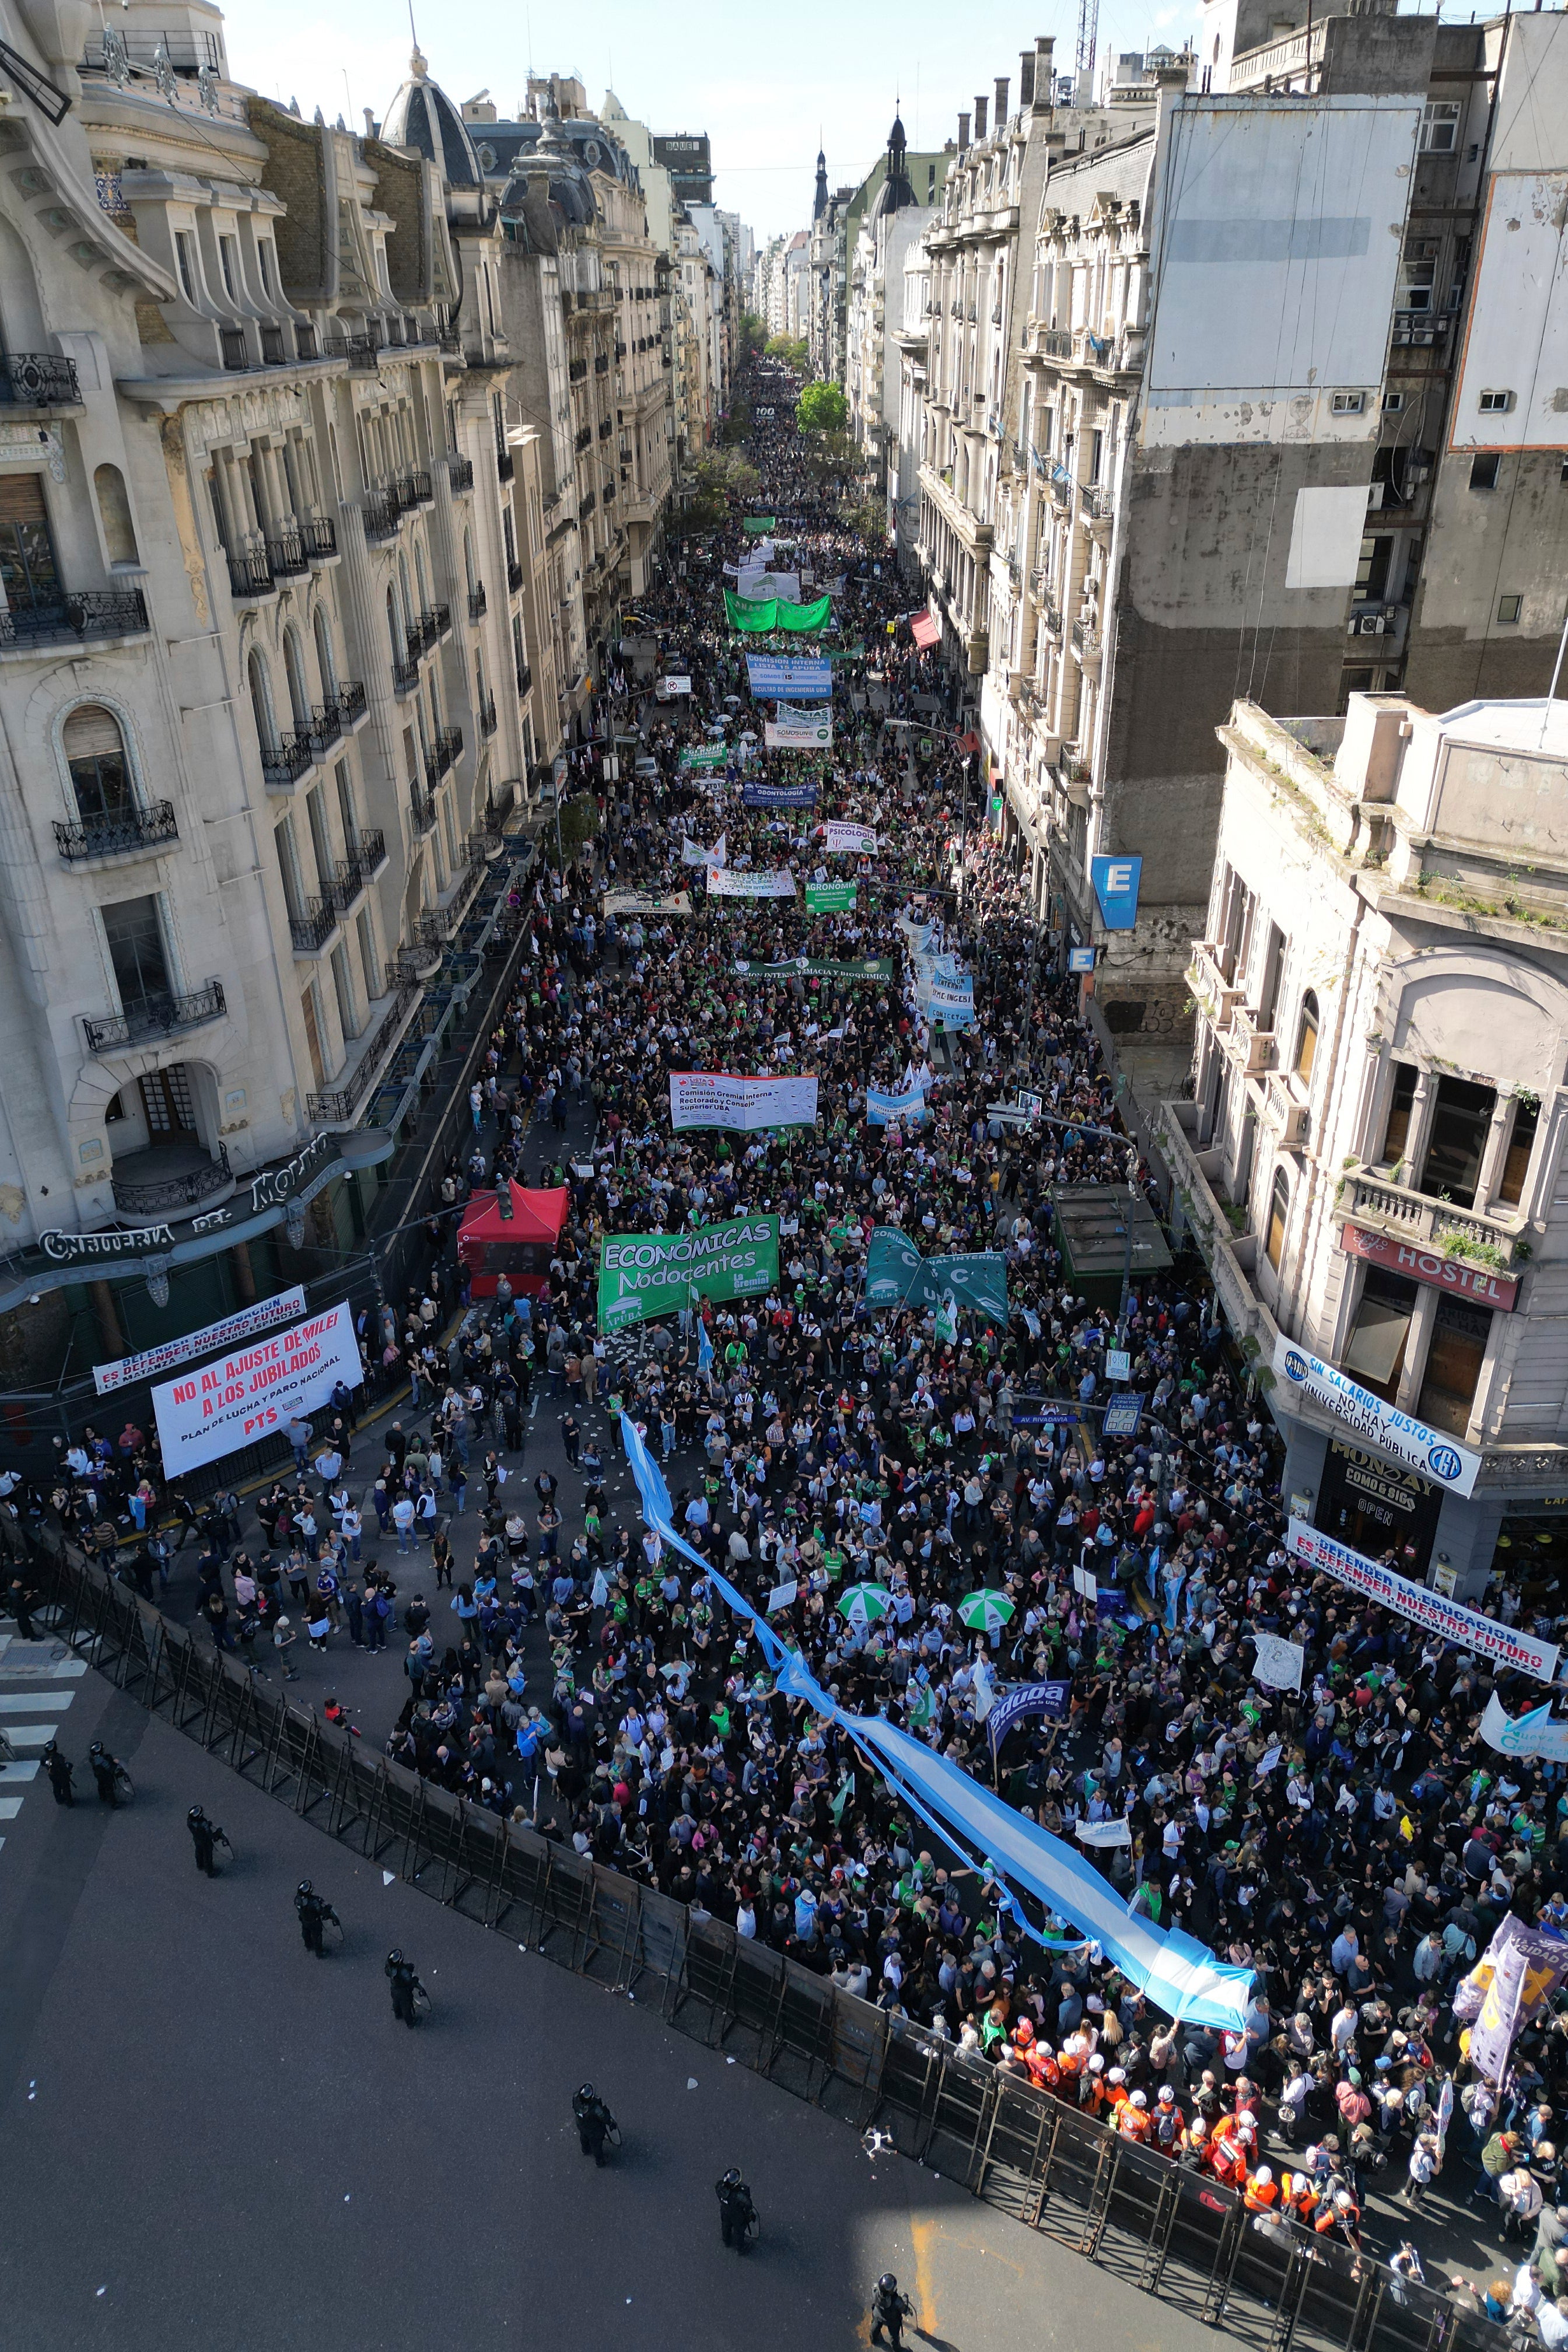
[864, 1604]
[985, 1611]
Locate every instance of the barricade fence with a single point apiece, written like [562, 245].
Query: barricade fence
[1173, 2234]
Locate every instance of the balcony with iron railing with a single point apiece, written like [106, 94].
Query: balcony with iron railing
[525, 678]
[478, 602]
[64, 619]
[39, 380]
[381, 515]
[351, 701]
[1086, 643]
[513, 576]
[170, 1181]
[286, 555]
[461, 472]
[315, 926]
[1094, 504]
[117, 833]
[250, 576]
[284, 761]
[155, 1016]
[444, 753]
[421, 808]
[488, 722]
[504, 465]
[320, 537]
[404, 673]
[361, 351]
[337, 1106]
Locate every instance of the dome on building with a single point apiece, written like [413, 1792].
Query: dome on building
[423, 117]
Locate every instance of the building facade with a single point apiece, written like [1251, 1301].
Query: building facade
[1372, 1160]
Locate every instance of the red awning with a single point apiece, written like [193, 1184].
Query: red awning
[927, 633]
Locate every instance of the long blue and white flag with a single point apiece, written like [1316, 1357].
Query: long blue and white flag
[881, 1108]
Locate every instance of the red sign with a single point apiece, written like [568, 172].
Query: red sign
[1432, 1267]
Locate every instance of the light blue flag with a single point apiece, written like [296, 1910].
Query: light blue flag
[881, 1108]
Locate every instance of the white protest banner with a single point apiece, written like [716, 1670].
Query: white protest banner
[858, 840]
[1392, 1431]
[724, 882]
[1467, 1628]
[245, 1325]
[1103, 1833]
[250, 1392]
[693, 854]
[648, 902]
[798, 731]
[1278, 1663]
[1537, 1733]
[781, 1596]
[1086, 1585]
[720, 1098]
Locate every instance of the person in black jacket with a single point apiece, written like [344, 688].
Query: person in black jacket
[737, 2213]
[594, 2120]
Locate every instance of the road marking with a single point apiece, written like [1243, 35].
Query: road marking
[9, 1809]
[29, 1702]
[922, 2233]
[32, 1735]
[12, 1775]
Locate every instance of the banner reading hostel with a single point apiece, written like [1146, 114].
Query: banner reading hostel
[245, 1396]
[645, 1276]
[720, 1098]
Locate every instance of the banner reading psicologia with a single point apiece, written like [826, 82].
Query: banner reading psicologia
[1465, 1627]
[644, 1275]
[858, 840]
[248, 1394]
[724, 882]
[721, 1099]
[897, 1276]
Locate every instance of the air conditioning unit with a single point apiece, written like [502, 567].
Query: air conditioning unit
[1375, 496]
[1371, 625]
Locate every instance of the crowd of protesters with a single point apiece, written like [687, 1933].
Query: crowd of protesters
[1352, 1843]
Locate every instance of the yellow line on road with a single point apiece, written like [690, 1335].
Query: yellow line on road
[922, 2233]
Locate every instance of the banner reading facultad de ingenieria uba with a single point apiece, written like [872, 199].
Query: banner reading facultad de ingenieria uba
[721, 1099]
[250, 1393]
[644, 1275]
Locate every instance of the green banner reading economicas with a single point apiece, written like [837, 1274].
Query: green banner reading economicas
[897, 1276]
[645, 1276]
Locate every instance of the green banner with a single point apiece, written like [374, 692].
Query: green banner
[645, 1276]
[875, 968]
[759, 526]
[897, 1276]
[706, 755]
[759, 614]
[829, 898]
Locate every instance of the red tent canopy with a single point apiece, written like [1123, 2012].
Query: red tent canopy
[520, 1246]
[926, 631]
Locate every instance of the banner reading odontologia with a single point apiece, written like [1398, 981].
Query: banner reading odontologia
[643, 1275]
[720, 1098]
[247, 1395]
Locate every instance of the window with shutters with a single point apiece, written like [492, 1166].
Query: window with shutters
[136, 951]
[29, 573]
[95, 755]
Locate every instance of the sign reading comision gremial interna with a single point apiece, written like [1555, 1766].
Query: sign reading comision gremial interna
[245, 1396]
[644, 1275]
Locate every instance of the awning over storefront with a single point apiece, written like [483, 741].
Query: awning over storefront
[926, 632]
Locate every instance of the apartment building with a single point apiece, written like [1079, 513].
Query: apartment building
[1372, 1160]
[263, 724]
[894, 223]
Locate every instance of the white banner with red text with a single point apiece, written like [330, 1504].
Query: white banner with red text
[240, 1397]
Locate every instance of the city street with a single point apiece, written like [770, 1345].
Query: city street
[210, 2136]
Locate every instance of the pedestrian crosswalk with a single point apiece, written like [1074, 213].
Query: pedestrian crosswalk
[35, 1693]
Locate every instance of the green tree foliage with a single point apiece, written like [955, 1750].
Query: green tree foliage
[793, 349]
[822, 408]
[579, 824]
[754, 332]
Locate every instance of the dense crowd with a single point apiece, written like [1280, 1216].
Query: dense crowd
[1352, 1842]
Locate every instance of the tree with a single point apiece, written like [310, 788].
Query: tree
[578, 824]
[822, 408]
[754, 332]
[793, 349]
[868, 521]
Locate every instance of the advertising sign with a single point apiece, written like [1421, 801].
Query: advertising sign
[1397, 1434]
[1430, 1267]
[252, 1392]
[1423, 1606]
[644, 1275]
[245, 1325]
[1081, 959]
[1115, 881]
[724, 882]
[720, 1098]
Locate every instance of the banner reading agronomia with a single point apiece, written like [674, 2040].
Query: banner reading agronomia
[644, 1275]
[248, 1394]
[720, 1098]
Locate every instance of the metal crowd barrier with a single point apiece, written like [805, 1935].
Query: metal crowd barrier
[1173, 2234]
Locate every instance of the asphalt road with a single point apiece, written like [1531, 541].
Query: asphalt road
[211, 2137]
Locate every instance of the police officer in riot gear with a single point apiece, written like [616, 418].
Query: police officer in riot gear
[313, 1914]
[105, 1769]
[737, 2214]
[889, 2309]
[60, 1774]
[205, 1836]
[595, 2122]
[406, 1987]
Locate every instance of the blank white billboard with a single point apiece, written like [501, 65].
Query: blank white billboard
[1513, 379]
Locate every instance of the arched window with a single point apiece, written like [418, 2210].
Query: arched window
[299, 679]
[326, 659]
[95, 754]
[1307, 1039]
[1278, 1218]
[114, 515]
[261, 701]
